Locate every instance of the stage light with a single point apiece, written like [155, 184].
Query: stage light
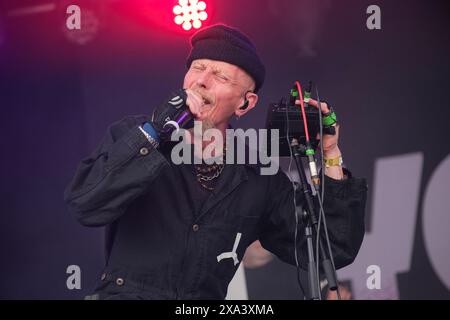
[190, 14]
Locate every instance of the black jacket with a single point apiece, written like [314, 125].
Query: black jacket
[159, 247]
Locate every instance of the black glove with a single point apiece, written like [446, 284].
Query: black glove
[171, 115]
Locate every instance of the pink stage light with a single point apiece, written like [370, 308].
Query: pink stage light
[190, 14]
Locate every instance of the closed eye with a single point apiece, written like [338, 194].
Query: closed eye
[222, 77]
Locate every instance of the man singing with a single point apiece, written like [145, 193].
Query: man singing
[179, 231]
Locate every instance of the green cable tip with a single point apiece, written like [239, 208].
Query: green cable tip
[306, 96]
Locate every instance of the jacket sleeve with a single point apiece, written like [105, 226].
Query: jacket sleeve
[344, 207]
[121, 169]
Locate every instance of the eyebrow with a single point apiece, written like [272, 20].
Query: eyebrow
[201, 64]
[217, 70]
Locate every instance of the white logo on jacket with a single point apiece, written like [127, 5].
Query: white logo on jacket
[231, 254]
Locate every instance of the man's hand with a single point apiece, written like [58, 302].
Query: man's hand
[170, 110]
[330, 142]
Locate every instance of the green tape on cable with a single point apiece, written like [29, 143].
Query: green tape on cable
[294, 93]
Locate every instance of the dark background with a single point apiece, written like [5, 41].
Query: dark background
[57, 97]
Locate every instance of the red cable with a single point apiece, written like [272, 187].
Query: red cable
[299, 88]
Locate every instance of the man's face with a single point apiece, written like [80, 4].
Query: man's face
[222, 88]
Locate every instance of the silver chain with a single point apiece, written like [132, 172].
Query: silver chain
[209, 178]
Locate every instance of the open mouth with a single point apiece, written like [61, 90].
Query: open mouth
[206, 101]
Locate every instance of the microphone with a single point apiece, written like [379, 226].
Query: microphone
[182, 118]
[181, 121]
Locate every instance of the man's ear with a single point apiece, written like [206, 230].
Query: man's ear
[247, 103]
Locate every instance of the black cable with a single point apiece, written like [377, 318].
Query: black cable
[323, 189]
[295, 203]
[321, 196]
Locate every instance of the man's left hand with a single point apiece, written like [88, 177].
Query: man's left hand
[330, 142]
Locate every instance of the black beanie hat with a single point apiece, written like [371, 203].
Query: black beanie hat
[223, 43]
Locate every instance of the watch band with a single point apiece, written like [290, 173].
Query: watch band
[332, 162]
[150, 139]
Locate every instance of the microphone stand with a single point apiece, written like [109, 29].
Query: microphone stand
[309, 219]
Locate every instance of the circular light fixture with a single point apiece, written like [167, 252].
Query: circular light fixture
[190, 14]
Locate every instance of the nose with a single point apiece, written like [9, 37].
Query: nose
[203, 79]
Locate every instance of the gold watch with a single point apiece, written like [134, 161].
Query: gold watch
[332, 162]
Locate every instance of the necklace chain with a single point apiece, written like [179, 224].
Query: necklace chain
[207, 173]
